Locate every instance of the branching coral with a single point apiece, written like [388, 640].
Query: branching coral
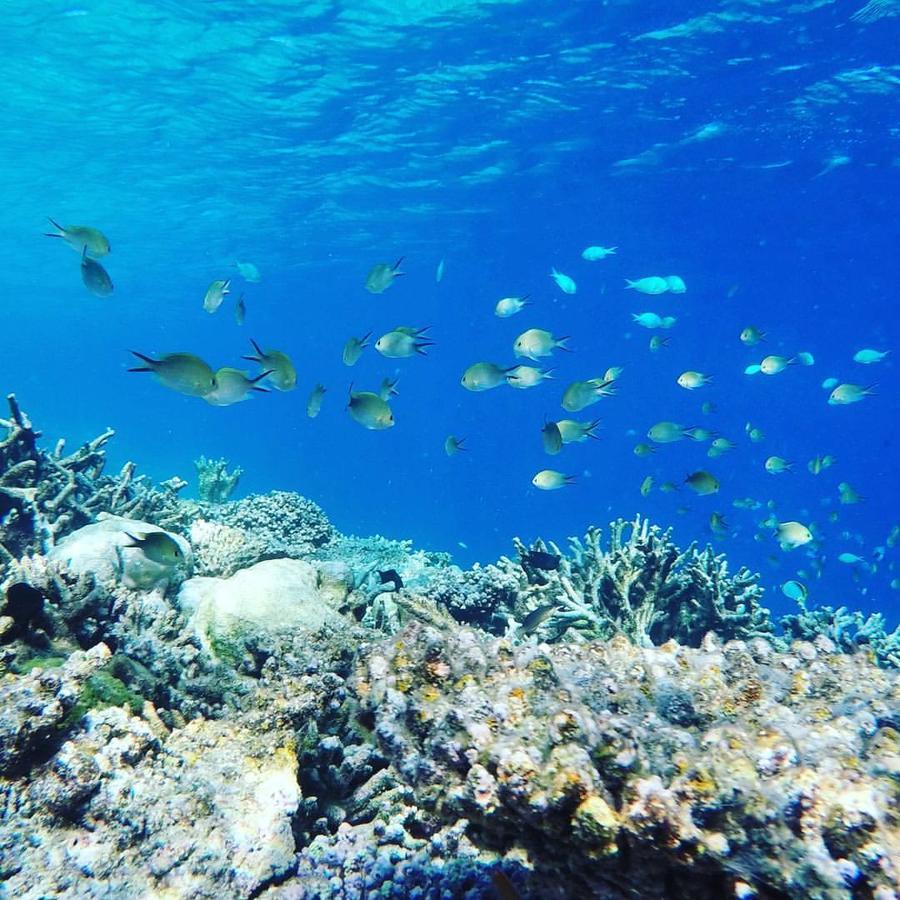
[45, 494]
[215, 483]
[851, 632]
[642, 586]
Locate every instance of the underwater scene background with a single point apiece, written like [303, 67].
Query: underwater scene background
[749, 147]
[430, 645]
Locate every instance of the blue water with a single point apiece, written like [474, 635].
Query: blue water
[749, 147]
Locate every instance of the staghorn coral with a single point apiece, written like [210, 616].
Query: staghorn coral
[215, 484]
[654, 772]
[46, 494]
[286, 523]
[851, 632]
[642, 586]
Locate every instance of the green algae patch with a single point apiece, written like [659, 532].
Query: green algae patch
[100, 690]
[37, 662]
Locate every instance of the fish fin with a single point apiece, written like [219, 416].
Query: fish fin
[629, 283]
[135, 539]
[561, 343]
[140, 369]
[397, 266]
[83, 254]
[260, 390]
[421, 345]
[150, 362]
[547, 373]
[363, 341]
[870, 390]
[261, 376]
[569, 479]
[259, 353]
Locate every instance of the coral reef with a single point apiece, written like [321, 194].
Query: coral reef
[46, 494]
[851, 632]
[215, 484]
[288, 524]
[474, 595]
[642, 587]
[656, 771]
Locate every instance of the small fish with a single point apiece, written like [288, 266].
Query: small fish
[551, 437]
[675, 284]
[667, 321]
[794, 590]
[248, 271]
[613, 373]
[314, 403]
[820, 463]
[690, 381]
[657, 342]
[391, 576]
[96, 279]
[523, 377]
[541, 559]
[668, 487]
[564, 282]
[647, 320]
[232, 386]
[652, 285]
[868, 357]
[753, 369]
[581, 394]
[282, 374]
[381, 276]
[157, 546]
[592, 254]
[851, 559]
[574, 432]
[751, 335]
[708, 408]
[81, 238]
[755, 434]
[666, 433]
[240, 310]
[181, 372]
[369, 410]
[535, 619]
[847, 495]
[792, 535]
[718, 525]
[550, 480]
[215, 294]
[773, 364]
[702, 483]
[439, 272]
[537, 344]
[775, 465]
[354, 347]
[453, 445]
[400, 344]
[844, 394]
[647, 486]
[484, 376]
[830, 383]
[509, 306]
[643, 450]
[388, 388]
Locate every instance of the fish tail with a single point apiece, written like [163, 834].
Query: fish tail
[569, 479]
[870, 391]
[629, 283]
[562, 343]
[261, 376]
[421, 345]
[589, 431]
[57, 226]
[397, 266]
[150, 362]
[547, 373]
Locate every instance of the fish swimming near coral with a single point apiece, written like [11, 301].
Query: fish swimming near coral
[535, 619]
[541, 559]
[390, 576]
[156, 546]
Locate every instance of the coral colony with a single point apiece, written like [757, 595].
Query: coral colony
[213, 698]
